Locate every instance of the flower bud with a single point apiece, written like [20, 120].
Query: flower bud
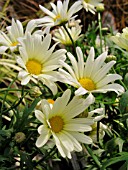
[19, 137]
[100, 8]
[110, 58]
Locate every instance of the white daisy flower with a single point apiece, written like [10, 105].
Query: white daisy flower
[15, 31]
[60, 35]
[90, 5]
[90, 76]
[60, 13]
[121, 39]
[38, 62]
[60, 123]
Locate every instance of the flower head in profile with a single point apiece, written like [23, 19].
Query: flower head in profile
[60, 35]
[90, 76]
[60, 13]
[61, 125]
[90, 5]
[121, 39]
[38, 62]
[15, 31]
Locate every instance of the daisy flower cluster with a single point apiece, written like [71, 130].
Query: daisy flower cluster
[62, 81]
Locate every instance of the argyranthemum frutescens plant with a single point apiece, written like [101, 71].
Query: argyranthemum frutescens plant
[60, 101]
[90, 76]
[60, 122]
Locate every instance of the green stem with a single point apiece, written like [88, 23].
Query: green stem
[93, 156]
[100, 30]
[4, 99]
[5, 6]
[74, 47]
[49, 154]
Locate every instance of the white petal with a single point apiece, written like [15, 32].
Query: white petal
[103, 71]
[81, 137]
[77, 106]
[25, 80]
[80, 62]
[80, 91]
[114, 87]
[3, 49]
[65, 140]
[89, 63]
[109, 78]
[45, 10]
[77, 127]
[77, 146]
[87, 121]
[39, 115]
[61, 101]
[43, 138]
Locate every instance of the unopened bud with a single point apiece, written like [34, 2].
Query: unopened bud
[19, 137]
[110, 58]
[100, 8]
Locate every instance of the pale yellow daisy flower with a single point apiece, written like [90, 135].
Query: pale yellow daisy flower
[60, 124]
[38, 62]
[90, 76]
[15, 31]
[60, 35]
[121, 39]
[90, 5]
[60, 13]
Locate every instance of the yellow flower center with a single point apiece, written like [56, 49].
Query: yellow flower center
[56, 124]
[34, 67]
[51, 101]
[87, 83]
[14, 44]
[57, 17]
[87, 1]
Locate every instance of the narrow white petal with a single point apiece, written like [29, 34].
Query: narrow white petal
[80, 91]
[77, 127]
[65, 140]
[25, 80]
[43, 138]
[80, 62]
[87, 121]
[45, 10]
[99, 62]
[114, 87]
[3, 49]
[77, 106]
[89, 63]
[74, 64]
[45, 106]
[81, 137]
[103, 71]
[61, 101]
[109, 78]
[39, 115]
[77, 146]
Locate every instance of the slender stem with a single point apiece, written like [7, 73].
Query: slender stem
[74, 47]
[5, 6]
[46, 156]
[93, 156]
[4, 99]
[100, 30]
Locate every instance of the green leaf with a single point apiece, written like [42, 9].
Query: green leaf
[123, 104]
[27, 111]
[113, 143]
[123, 157]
